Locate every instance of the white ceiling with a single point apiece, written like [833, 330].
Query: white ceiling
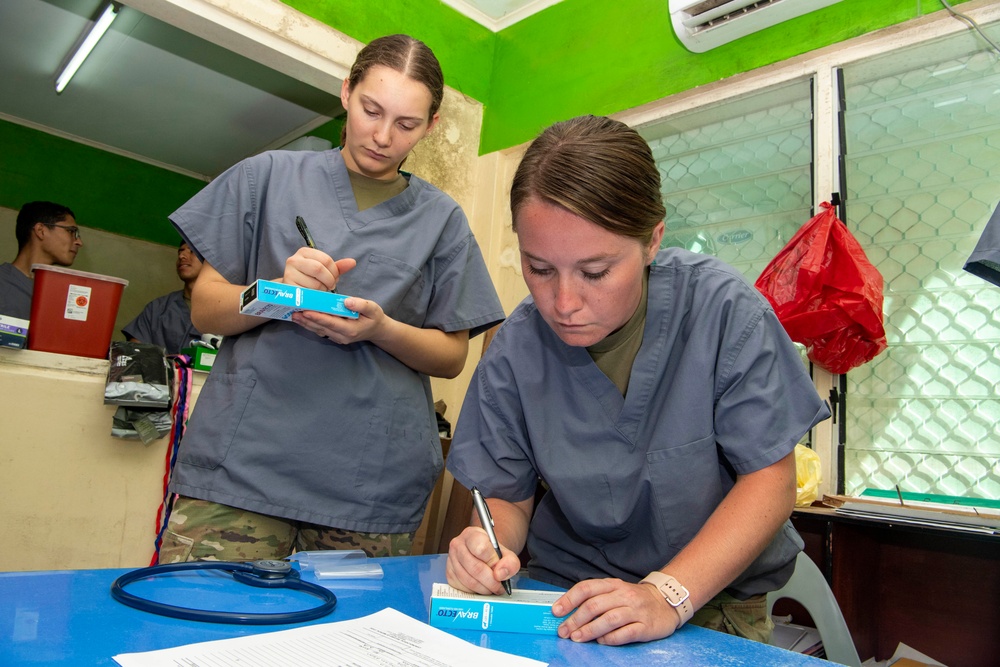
[498, 14]
[148, 90]
[154, 92]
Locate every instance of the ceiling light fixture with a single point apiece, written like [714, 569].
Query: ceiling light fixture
[97, 31]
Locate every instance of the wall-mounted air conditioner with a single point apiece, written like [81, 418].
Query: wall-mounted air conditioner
[705, 24]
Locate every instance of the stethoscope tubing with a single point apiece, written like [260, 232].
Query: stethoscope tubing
[251, 574]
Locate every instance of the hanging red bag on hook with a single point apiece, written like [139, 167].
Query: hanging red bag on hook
[826, 294]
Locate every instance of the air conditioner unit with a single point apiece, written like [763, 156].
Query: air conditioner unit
[705, 24]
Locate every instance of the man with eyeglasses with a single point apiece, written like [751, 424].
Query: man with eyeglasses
[46, 234]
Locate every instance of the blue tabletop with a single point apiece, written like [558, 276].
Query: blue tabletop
[69, 618]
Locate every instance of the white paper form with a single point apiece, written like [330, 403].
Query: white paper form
[385, 638]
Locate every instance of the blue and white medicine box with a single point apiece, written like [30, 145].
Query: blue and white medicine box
[523, 611]
[265, 298]
[13, 332]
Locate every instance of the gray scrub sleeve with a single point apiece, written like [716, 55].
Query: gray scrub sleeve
[220, 224]
[165, 321]
[16, 290]
[462, 288]
[985, 259]
[504, 468]
[763, 395]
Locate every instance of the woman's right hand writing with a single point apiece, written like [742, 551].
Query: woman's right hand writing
[473, 565]
[314, 269]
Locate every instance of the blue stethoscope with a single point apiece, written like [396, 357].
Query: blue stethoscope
[261, 573]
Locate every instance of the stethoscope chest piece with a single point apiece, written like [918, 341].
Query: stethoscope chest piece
[266, 574]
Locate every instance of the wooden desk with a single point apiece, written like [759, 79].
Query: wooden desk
[935, 590]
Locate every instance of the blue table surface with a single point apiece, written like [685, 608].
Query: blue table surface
[69, 618]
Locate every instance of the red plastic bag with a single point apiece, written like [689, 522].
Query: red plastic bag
[827, 295]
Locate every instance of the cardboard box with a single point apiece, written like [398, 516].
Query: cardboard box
[13, 332]
[265, 298]
[524, 611]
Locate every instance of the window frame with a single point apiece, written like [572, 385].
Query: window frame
[822, 67]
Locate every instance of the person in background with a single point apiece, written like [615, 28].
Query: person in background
[655, 394]
[320, 432]
[46, 234]
[166, 320]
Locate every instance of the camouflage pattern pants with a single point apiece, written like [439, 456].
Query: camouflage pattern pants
[743, 618]
[203, 530]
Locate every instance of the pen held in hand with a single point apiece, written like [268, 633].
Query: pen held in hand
[300, 224]
[486, 519]
[304, 231]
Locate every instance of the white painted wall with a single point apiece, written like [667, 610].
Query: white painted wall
[71, 495]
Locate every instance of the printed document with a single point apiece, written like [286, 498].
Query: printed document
[388, 637]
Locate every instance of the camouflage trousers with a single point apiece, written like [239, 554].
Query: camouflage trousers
[744, 618]
[203, 530]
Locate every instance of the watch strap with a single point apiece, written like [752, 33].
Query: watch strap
[673, 592]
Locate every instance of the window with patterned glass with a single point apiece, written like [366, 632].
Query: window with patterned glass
[921, 131]
[920, 137]
[737, 176]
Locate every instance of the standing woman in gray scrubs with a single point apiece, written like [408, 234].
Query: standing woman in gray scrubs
[319, 432]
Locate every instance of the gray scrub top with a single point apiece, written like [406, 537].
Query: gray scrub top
[717, 389]
[165, 321]
[290, 424]
[15, 292]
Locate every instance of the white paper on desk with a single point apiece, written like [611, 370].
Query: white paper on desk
[387, 637]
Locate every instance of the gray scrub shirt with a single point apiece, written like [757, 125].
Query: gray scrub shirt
[165, 321]
[290, 424]
[15, 292]
[717, 389]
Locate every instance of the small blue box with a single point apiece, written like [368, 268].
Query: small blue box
[266, 298]
[13, 332]
[524, 611]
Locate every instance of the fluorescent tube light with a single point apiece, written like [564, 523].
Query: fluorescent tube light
[90, 41]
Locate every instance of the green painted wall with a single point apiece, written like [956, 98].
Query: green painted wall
[463, 47]
[593, 56]
[329, 131]
[576, 57]
[106, 191]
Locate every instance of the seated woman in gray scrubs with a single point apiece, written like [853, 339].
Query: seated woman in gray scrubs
[655, 394]
[320, 432]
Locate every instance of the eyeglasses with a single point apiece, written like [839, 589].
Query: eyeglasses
[75, 231]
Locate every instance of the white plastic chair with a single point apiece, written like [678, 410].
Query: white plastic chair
[808, 587]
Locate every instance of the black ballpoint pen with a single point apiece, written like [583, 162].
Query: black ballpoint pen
[486, 519]
[301, 224]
